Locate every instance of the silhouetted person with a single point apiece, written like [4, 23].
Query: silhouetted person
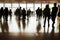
[10, 13]
[46, 14]
[1, 12]
[54, 13]
[6, 13]
[28, 13]
[23, 13]
[20, 13]
[39, 13]
[17, 12]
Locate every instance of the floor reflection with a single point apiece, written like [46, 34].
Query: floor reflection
[21, 29]
[30, 26]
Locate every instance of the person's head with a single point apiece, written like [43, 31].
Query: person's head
[20, 7]
[23, 8]
[38, 7]
[47, 6]
[6, 8]
[55, 4]
[29, 9]
[1, 7]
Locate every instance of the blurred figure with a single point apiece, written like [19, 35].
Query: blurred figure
[39, 13]
[16, 12]
[28, 13]
[1, 12]
[54, 13]
[23, 13]
[46, 14]
[23, 18]
[20, 13]
[6, 13]
[10, 13]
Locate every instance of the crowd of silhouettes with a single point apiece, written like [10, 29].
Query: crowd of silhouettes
[46, 13]
[4, 12]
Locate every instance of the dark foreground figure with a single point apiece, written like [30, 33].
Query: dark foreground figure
[46, 14]
[54, 13]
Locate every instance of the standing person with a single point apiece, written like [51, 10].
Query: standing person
[6, 13]
[23, 18]
[23, 13]
[28, 13]
[10, 13]
[46, 14]
[54, 13]
[1, 12]
[20, 13]
[39, 13]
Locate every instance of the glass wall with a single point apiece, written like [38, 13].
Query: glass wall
[37, 5]
[8, 5]
[14, 6]
[1, 5]
[32, 6]
[23, 5]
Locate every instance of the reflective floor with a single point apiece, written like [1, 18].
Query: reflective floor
[27, 29]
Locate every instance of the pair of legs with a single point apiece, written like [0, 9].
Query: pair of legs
[45, 21]
[53, 19]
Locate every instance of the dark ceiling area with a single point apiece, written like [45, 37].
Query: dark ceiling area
[33, 1]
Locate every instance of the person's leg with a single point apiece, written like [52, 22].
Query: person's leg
[53, 22]
[44, 21]
[48, 21]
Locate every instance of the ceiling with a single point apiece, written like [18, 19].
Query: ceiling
[33, 1]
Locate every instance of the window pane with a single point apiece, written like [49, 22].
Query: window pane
[23, 5]
[37, 5]
[15, 5]
[1, 5]
[51, 5]
[44, 5]
[8, 5]
[30, 6]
